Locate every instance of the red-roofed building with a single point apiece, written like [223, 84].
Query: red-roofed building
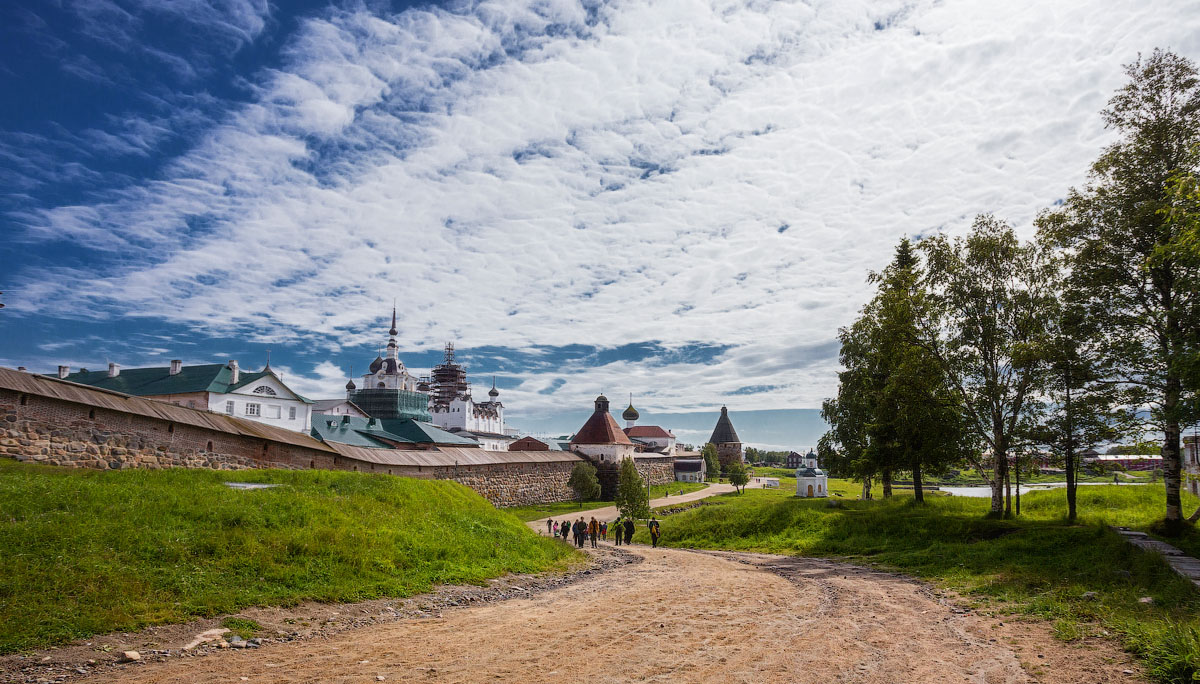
[601, 438]
[529, 444]
[652, 438]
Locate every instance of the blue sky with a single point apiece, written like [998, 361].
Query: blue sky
[675, 198]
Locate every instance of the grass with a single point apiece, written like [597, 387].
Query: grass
[88, 552]
[243, 627]
[1036, 565]
[566, 508]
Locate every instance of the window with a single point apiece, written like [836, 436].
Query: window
[229, 407]
[191, 404]
[273, 411]
[92, 414]
[263, 389]
[208, 447]
[253, 409]
[291, 413]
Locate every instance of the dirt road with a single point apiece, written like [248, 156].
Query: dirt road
[682, 616]
[610, 512]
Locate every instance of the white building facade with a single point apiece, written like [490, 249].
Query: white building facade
[811, 481]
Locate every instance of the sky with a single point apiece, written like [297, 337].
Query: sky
[678, 199]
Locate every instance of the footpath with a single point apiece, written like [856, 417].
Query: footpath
[610, 512]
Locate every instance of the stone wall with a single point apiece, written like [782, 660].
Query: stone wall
[50, 431]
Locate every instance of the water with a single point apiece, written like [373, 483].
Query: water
[986, 492]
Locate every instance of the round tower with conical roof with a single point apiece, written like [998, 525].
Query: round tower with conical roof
[726, 440]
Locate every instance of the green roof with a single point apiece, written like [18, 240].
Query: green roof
[152, 382]
[362, 432]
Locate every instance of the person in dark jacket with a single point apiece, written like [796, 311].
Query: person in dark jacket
[654, 531]
[565, 530]
[629, 530]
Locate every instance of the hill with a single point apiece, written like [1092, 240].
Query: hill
[87, 552]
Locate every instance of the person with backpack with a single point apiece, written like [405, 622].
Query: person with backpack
[604, 531]
[565, 529]
[593, 531]
[654, 531]
[628, 531]
[556, 528]
[617, 531]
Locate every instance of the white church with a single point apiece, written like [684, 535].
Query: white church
[811, 481]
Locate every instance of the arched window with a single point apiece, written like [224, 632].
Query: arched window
[208, 447]
[263, 389]
[171, 428]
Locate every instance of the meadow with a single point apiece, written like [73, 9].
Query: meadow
[88, 552]
[1082, 577]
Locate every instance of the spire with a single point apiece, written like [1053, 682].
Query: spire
[268, 366]
[350, 387]
[393, 330]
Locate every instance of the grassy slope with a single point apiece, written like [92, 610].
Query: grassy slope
[566, 508]
[1036, 564]
[87, 552]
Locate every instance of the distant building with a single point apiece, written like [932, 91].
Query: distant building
[601, 438]
[337, 407]
[452, 407]
[725, 439]
[528, 443]
[221, 388]
[794, 460]
[388, 390]
[690, 470]
[811, 481]
[647, 438]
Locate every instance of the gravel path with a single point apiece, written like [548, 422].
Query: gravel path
[679, 616]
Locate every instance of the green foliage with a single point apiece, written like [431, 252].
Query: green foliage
[739, 475]
[711, 462]
[631, 492]
[243, 627]
[1128, 238]
[1035, 564]
[583, 481]
[87, 552]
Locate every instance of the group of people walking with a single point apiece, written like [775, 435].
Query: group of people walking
[595, 530]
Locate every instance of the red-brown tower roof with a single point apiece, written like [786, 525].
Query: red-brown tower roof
[601, 427]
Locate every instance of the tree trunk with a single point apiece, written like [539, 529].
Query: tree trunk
[999, 467]
[886, 476]
[918, 495]
[1007, 491]
[1171, 476]
[866, 491]
[1070, 453]
[1018, 471]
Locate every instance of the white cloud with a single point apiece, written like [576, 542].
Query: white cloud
[558, 173]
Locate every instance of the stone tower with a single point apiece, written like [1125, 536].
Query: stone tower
[725, 438]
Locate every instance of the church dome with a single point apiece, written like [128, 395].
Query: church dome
[630, 413]
[350, 385]
[493, 392]
[376, 364]
[390, 367]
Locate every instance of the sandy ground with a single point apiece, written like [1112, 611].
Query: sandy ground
[680, 616]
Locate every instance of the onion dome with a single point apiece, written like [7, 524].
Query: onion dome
[390, 367]
[350, 386]
[493, 392]
[631, 414]
[376, 364]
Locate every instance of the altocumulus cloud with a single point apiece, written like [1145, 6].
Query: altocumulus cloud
[670, 172]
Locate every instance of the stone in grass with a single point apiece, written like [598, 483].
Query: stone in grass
[1146, 600]
[131, 656]
[1090, 596]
